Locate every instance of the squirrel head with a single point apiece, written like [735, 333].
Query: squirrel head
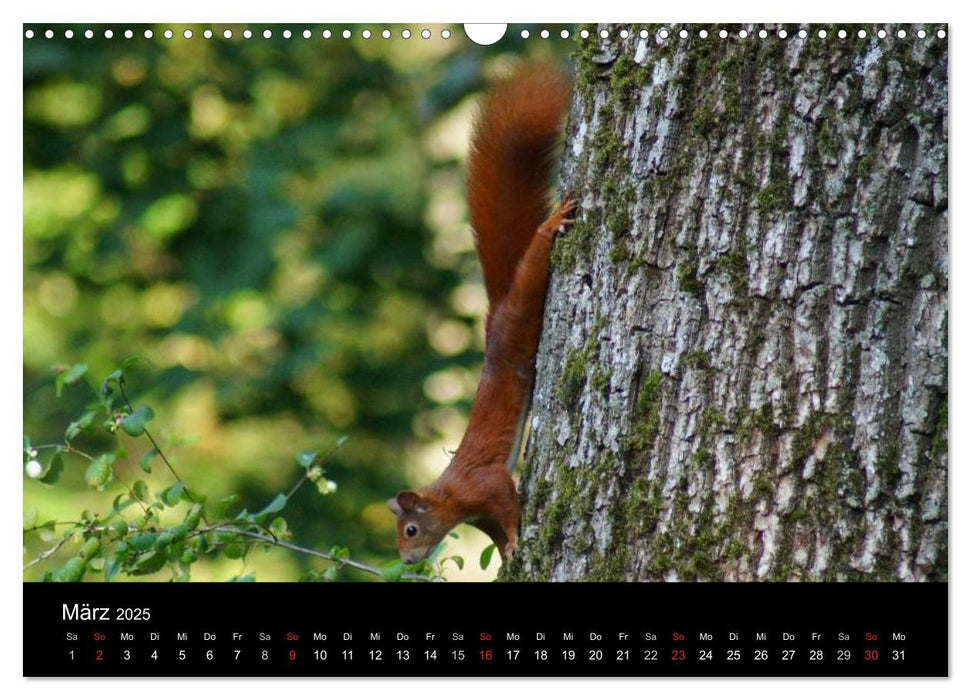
[419, 527]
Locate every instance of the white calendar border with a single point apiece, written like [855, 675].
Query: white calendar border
[493, 10]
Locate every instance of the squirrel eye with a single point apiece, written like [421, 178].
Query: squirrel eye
[411, 530]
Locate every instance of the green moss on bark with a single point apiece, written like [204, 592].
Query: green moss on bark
[645, 419]
[688, 274]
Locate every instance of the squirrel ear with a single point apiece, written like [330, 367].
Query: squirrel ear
[407, 500]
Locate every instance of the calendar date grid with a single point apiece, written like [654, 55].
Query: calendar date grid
[514, 630]
[335, 649]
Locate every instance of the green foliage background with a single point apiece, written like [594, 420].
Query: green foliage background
[279, 227]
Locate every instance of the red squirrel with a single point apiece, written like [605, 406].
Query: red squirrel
[511, 162]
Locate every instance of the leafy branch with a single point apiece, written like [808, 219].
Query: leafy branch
[116, 541]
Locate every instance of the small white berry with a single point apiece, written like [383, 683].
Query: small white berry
[34, 469]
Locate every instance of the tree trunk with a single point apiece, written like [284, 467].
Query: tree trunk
[743, 371]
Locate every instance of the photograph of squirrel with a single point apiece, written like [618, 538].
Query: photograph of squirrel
[513, 152]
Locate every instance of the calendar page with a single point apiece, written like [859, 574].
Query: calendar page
[485, 350]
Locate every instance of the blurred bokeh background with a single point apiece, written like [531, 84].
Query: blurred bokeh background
[279, 227]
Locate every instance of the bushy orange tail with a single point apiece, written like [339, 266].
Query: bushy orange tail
[511, 162]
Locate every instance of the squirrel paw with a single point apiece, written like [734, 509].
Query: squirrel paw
[560, 219]
[509, 549]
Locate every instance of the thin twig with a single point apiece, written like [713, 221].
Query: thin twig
[296, 486]
[318, 460]
[131, 409]
[66, 448]
[48, 554]
[312, 552]
[55, 524]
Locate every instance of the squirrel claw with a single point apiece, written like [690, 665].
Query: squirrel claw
[560, 219]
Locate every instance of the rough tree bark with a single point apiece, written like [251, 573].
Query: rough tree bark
[743, 372]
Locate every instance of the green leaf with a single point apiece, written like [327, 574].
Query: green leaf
[145, 461]
[454, 535]
[204, 544]
[132, 360]
[142, 541]
[90, 548]
[193, 517]
[439, 548]
[30, 519]
[393, 571]
[72, 571]
[73, 430]
[277, 504]
[234, 551]
[112, 569]
[330, 573]
[306, 458]
[245, 578]
[134, 423]
[99, 471]
[279, 528]
[107, 388]
[165, 538]
[54, 469]
[486, 556]
[172, 494]
[193, 497]
[120, 503]
[459, 561]
[140, 489]
[150, 562]
[96, 564]
[69, 376]
[188, 557]
[104, 518]
[223, 504]
[75, 427]
[47, 531]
